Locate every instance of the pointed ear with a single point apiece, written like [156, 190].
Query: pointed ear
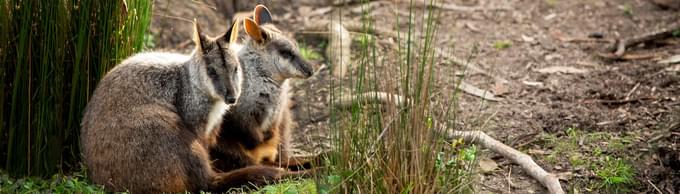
[232, 33]
[198, 37]
[253, 30]
[262, 15]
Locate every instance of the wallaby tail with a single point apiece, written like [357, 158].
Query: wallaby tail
[253, 176]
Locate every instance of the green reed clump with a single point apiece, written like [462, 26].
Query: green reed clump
[53, 53]
[382, 148]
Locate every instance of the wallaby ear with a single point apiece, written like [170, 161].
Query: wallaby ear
[253, 30]
[262, 15]
[232, 33]
[198, 37]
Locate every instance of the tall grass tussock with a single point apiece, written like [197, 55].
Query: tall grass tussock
[382, 148]
[53, 53]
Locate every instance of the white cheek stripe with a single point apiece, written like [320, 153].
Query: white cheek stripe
[215, 116]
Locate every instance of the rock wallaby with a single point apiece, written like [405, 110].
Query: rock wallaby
[152, 118]
[261, 122]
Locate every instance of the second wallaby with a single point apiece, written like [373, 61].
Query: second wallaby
[152, 119]
[262, 120]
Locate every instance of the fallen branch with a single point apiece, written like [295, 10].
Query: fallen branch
[352, 26]
[355, 27]
[550, 181]
[453, 7]
[384, 98]
[619, 48]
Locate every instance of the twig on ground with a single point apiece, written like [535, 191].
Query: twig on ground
[655, 188]
[632, 90]
[352, 26]
[586, 40]
[665, 132]
[453, 7]
[473, 90]
[620, 46]
[619, 102]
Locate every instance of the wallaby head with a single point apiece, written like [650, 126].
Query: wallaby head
[275, 48]
[216, 67]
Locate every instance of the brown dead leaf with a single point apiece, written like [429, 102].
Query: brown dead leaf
[565, 175]
[487, 165]
[500, 89]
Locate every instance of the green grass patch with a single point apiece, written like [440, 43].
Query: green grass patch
[551, 3]
[502, 44]
[289, 187]
[597, 153]
[309, 53]
[616, 175]
[76, 183]
[627, 9]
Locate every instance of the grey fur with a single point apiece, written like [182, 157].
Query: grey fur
[265, 100]
[145, 128]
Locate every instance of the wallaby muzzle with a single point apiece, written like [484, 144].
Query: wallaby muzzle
[305, 68]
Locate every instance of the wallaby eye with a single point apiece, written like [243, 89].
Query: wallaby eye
[212, 72]
[286, 54]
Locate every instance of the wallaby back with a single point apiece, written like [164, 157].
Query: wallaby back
[149, 123]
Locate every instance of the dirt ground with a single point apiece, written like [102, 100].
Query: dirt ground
[623, 108]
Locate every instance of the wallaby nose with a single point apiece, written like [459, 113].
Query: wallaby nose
[307, 69]
[231, 99]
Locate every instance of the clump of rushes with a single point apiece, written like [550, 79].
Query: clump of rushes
[53, 53]
[381, 148]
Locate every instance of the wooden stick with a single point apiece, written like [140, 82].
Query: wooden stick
[548, 180]
[370, 98]
[620, 46]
